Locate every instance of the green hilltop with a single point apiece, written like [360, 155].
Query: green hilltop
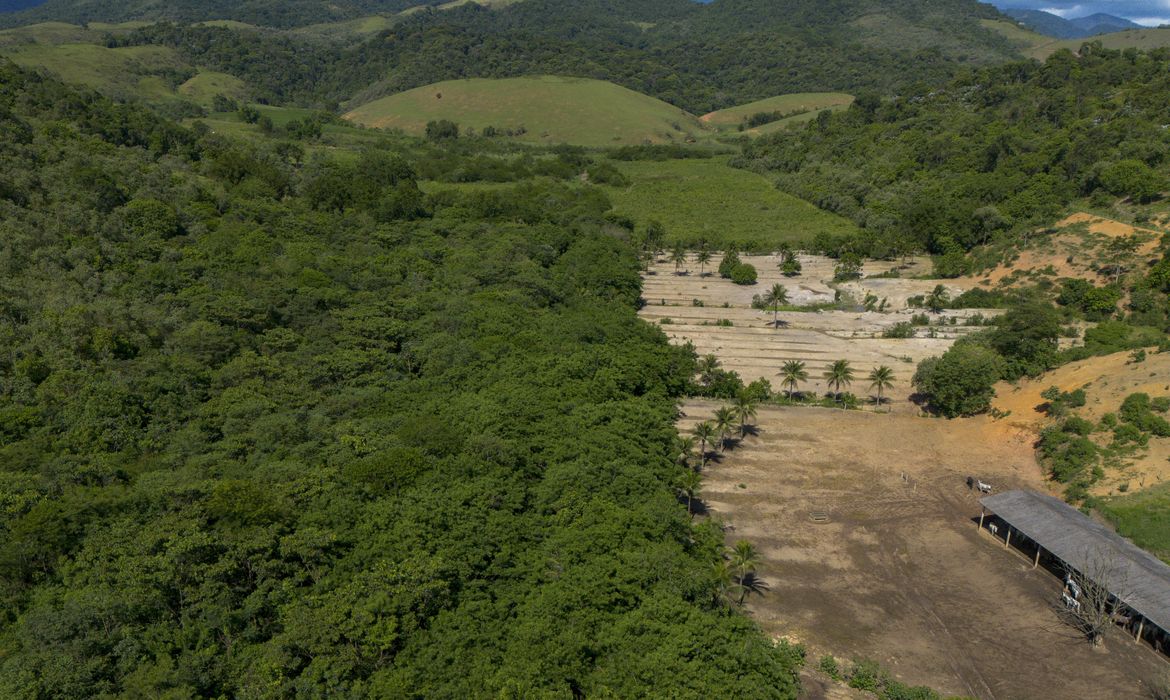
[546, 109]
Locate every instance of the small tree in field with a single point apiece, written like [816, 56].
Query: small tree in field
[744, 560]
[703, 258]
[839, 375]
[678, 256]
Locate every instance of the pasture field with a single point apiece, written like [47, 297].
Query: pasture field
[706, 199]
[810, 102]
[869, 548]
[1041, 47]
[207, 84]
[129, 71]
[1143, 517]
[550, 109]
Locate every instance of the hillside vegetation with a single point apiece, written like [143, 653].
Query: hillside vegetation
[279, 424]
[545, 109]
[988, 158]
[774, 109]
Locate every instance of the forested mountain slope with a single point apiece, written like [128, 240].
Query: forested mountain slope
[990, 156]
[274, 424]
[270, 13]
[699, 57]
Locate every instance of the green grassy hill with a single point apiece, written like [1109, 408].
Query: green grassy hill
[802, 104]
[709, 200]
[1132, 38]
[550, 109]
[139, 71]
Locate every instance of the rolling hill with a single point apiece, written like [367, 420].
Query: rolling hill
[790, 106]
[547, 109]
[1058, 27]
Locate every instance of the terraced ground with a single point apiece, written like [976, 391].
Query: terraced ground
[755, 348]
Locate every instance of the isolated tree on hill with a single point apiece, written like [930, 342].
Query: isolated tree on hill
[776, 297]
[744, 560]
[745, 410]
[839, 375]
[705, 433]
[792, 373]
[724, 424]
[689, 485]
[703, 258]
[937, 300]
[881, 378]
[678, 256]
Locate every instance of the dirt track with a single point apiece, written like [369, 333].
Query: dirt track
[899, 572]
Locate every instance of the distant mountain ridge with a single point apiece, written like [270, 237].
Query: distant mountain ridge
[1052, 25]
[17, 5]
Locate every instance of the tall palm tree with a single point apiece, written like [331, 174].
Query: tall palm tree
[776, 297]
[685, 449]
[881, 378]
[721, 579]
[792, 373]
[703, 258]
[724, 424]
[689, 485]
[744, 560]
[678, 256]
[705, 433]
[840, 374]
[745, 410]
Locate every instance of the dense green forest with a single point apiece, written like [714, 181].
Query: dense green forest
[988, 157]
[700, 58]
[273, 423]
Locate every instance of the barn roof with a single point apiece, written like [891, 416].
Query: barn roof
[1138, 578]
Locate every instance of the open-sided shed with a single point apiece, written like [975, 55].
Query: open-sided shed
[1138, 579]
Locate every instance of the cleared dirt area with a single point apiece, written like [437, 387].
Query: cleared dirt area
[755, 348]
[864, 527]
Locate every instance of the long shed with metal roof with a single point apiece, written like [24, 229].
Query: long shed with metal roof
[1141, 580]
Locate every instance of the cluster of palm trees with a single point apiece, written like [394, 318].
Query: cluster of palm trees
[708, 435]
[838, 376]
[678, 256]
[737, 570]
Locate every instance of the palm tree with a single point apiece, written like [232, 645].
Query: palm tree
[689, 485]
[793, 373]
[685, 449]
[678, 256]
[708, 366]
[705, 433]
[776, 297]
[724, 424]
[744, 561]
[703, 258]
[721, 583]
[881, 378]
[745, 410]
[840, 374]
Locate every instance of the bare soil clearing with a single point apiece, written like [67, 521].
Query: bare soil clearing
[899, 572]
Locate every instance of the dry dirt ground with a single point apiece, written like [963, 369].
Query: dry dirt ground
[755, 348]
[1080, 243]
[1107, 381]
[898, 572]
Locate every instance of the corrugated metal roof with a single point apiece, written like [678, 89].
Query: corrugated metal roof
[1137, 578]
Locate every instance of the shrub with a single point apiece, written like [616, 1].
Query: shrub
[1069, 456]
[743, 274]
[902, 329]
[828, 665]
[729, 262]
[979, 299]
[1128, 433]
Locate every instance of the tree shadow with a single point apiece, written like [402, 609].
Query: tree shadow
[751, 583]
[778, 323]
[749, 430]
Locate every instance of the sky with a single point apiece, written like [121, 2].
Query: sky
[1147, 12]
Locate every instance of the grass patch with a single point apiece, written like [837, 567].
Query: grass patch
[1143, 517]
[807, 102]
[550, 109]
[709, 200]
